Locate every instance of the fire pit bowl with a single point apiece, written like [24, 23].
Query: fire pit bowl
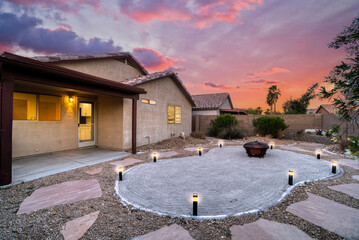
[256, 149]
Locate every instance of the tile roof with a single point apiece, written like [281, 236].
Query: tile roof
[210, 101]
[329, 107]
[78, 57]
[157, 75]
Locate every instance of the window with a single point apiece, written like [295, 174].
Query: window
[49, 108]
[174, 114]
[148, 101]
[24, 106]
[36, 107]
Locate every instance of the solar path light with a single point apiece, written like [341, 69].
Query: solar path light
[120, 169]
[290, 177]
[195, 204]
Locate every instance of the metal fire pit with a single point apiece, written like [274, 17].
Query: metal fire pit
[256, 149]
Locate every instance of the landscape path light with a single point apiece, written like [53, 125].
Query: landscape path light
[220, 143]
[200, 151]
[318, 154]
[271, 144]
[120, 169]
[334, 167]
[154, 157]
[195, 204]
[290, 177]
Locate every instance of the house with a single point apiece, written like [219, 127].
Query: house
[65, 102]
[326, 109]
[211, 104]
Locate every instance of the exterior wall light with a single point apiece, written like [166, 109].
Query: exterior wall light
[334, 167]
[71, 99]
[154, 155]
[318, 154]
[271, 144]
[290, 177]
[120, 169]
[200, 151]
[221, 143]
[195, 204]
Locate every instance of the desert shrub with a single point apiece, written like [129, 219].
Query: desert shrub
[199, 135]
[268, 125]
[225, 126]
[319, 132]
[353, 149]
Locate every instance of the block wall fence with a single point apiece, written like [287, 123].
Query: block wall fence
[296, 122]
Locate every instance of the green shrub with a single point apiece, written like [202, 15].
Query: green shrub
[225, 126]
[268, 125]
[353, 149]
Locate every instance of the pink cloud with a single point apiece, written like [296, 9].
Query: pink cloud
[264, 81]
[270, 71]
[154, 60]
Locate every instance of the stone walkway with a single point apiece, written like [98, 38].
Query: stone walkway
[166, 233]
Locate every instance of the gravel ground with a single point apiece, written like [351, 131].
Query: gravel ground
[117, 221]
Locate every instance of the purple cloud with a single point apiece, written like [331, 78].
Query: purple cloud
[221, 86]
[264, 81]
[24, 32]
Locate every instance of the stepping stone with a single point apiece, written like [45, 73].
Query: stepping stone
[76, 228]
[351, 189]
[334, 217]
[356, 177]
[167, 154]
[126, 162]
[94, 171]
[63, 193]
[168, 232]
[265, 229]
[349, 163]
[192, 149]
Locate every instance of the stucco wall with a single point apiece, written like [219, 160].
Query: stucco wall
[110, 122]
[152, 119]
[205, 112]
[106, 68]
[37, 137]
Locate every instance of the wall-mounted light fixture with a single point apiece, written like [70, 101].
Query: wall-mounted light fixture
[71, 99]
[334, 167]
[195, 204]
[290, 177]
[120, 169]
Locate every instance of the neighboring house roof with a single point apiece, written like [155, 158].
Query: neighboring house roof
[330, 108]
[235, 111]
[158, 75]
[210, 101]
[81, 57]
[47, 68]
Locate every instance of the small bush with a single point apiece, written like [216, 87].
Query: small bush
[353, 149]
[199, 135]
[268, 125]
[225, 126]
[319, 132]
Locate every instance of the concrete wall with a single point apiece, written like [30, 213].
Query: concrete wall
[152, 119]
[106, 68]
[205, 112]
[37, 137]
[296, 122]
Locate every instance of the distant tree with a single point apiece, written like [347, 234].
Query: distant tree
[299, 106]
[267, 112]
[345, 77]
[257, 111]
[272, 97]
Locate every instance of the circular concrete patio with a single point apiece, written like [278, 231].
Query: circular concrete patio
[227, 181]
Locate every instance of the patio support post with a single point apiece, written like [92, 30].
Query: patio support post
[6, 105]
[134, 123]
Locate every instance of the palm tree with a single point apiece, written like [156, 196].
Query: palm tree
[272, 97]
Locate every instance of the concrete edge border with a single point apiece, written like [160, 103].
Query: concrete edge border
[126, 202]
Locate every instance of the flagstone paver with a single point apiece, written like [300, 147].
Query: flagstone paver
[126, 162]
[356, 177]
[349, 163]
[269, 230]
[63, 193]
[94, 171]
[76, 228]
[192, 149]
[334, 217]
[351, 189]
[167, 154]
[168, 232]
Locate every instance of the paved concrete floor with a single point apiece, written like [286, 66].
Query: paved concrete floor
[227, 181]
[30, 168]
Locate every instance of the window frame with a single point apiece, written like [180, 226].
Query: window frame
[174, 121]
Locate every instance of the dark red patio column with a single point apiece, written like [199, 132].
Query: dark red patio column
[134, 125]
[6, 95]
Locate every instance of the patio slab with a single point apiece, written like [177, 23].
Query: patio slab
[63, 193]
[269, 230]
[126, 162]
[30, 168]
[349, 163]
[168, 232]
[351, 189]
[334, 217]
[76, 228]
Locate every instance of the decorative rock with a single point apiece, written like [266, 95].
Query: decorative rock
[356, 177]
[350, 163]
[76, 228]
[350, 189]
[265, 229]
[168, 232]
[126, 162]
[63, 193]
[334, 217]
[167, 154]
[94, 171]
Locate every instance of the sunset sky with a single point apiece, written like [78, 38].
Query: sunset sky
[237, 46]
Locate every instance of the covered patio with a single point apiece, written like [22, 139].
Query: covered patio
[22, 78]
